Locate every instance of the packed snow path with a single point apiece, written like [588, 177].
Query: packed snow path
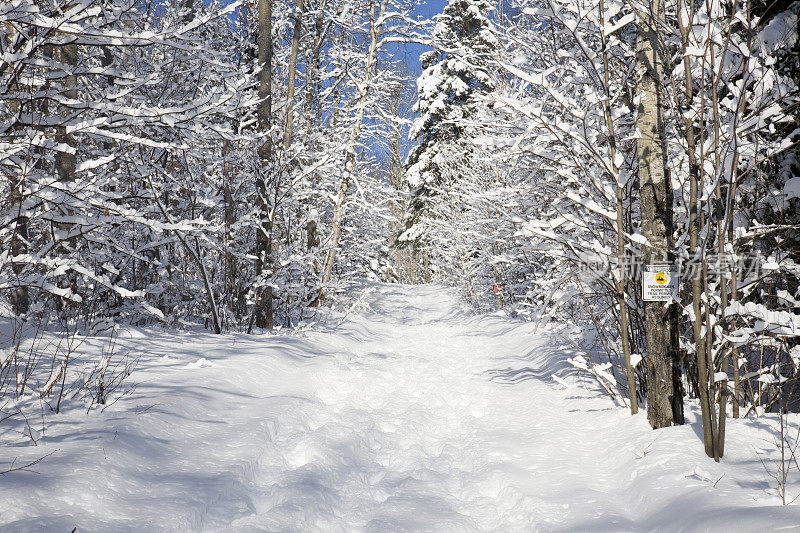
[410, 415]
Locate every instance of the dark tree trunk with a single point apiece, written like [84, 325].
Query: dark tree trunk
[263, 312]
[19, 297]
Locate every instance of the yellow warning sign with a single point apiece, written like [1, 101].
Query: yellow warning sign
[660, 282]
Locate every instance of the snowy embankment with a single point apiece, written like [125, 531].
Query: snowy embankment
[410, 416]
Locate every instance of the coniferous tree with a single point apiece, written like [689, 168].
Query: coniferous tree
[455, 76]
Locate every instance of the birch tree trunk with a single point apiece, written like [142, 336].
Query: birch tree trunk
[375, 25]
[312, 85]
[664, 396]
[292, 74]
[263, 312]
[312, 123]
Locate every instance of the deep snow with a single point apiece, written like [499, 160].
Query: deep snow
[411, 415]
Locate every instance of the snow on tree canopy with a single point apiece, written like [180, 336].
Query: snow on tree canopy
[454, 75]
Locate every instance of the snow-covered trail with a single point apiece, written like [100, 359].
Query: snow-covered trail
[409, 416]
[453, 444]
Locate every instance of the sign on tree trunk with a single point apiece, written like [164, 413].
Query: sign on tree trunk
[660, 282]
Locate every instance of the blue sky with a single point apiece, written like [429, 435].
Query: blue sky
[430, 7]
[423, 9]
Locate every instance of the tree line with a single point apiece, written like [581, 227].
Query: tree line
[188, 160]
[237, 164]
[565, 146]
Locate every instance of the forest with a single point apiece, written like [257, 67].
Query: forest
[247, 166]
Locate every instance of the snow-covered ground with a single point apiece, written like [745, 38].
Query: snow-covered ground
[410, 415]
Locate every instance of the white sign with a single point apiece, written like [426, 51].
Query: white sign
[660, 282]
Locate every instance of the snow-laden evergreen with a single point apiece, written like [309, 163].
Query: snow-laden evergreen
[455, 77]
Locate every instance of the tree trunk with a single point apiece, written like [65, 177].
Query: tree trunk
[292, 74]
[66, 162]
[312, 94]
[65, 57]
[312, 85]
[355, 133]
[719, 427]
[229, 216]
[694, 232]
[664, 396]
[19, 297]
[620, 281]
[263, 312]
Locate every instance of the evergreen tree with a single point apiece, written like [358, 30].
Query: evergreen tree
[455, 76]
